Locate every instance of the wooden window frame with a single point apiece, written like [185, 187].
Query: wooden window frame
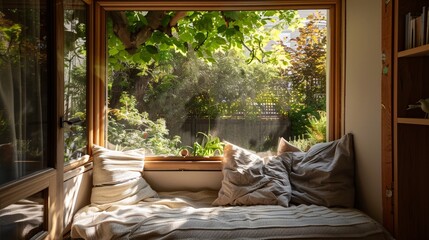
[37, 182]
[75, 163]
[98, 114]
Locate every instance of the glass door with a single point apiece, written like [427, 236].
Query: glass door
[75, 80]
[26, 118]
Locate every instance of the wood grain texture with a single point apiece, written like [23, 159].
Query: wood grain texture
[415, 52]
[56, 192]
[412, 85]
[412, 172]
[90, 75]
[191, 163]
[386, 115]
[335, 92]
[183, 166]
[25, 187]
[114, 5]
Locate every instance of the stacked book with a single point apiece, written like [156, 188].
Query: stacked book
[417, 29]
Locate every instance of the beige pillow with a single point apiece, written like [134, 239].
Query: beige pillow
[253, 180]
[117, 177]
[285, 146]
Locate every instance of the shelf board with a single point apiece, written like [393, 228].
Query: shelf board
[415, 52]
[415, 121]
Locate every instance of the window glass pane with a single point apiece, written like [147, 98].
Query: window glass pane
[182, 79]
[75, 76]
[23, 219]
[23, 87]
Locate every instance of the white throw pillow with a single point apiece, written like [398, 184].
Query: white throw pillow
[117, 177]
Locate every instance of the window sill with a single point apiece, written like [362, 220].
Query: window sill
[162, 163]
[189, 163]
[76, 163]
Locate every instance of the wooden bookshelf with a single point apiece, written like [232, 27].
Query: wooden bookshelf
[409, 129]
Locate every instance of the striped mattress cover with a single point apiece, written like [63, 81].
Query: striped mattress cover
[190, 215]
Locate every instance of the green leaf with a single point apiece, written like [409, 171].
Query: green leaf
[157, 36]
[235, 15]
[230, 32]
[240, 35]
[113, 51]
[220, 40]
[200, 37]
[136, 58]
[151, 49]
[143, 20]
[164, 47]
[186, 37]
[221, 29]
[166, 20]
[123, 54]
[270, 13]
[145, 56]
[207, 22]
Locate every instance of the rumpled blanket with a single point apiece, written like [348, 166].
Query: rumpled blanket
[190, 215]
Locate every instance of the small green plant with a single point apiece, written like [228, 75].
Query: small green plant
[210, 146]
[301, 142]
[317, 129]
[316, 132]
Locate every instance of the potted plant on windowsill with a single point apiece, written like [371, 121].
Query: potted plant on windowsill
[210, 146]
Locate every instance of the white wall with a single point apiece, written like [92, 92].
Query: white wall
[363, 98]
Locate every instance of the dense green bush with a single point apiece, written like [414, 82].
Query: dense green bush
[128, 129]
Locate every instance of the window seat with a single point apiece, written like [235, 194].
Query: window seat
[190, 215]
[289, 195]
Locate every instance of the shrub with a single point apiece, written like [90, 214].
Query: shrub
[128, 128]
[316, 132]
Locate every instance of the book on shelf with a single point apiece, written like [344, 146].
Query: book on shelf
[417, 28]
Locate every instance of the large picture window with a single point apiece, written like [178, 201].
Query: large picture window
[180, 82]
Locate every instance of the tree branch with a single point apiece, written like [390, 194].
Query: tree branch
[179, 15]
[120, 28]
[132, 40]
[252, 53]
[154, 19]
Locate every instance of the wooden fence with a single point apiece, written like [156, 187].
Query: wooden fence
[258, 135]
